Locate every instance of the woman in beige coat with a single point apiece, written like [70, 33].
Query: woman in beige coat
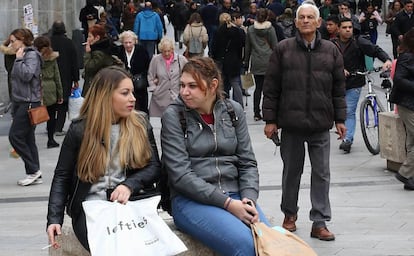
[164, 77]
[195, 29]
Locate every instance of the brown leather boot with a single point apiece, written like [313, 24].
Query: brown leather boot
[322, 234]
[289, 223]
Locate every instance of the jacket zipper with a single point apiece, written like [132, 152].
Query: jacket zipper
[73, 196]
[217, 165]
[308, 82]
[215, 149]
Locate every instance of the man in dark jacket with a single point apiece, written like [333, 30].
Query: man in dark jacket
[227, 51]
[210, 14]
[68, 68]
[179, 20]
[404, 21]
[88, 16]
[354, 51]
[304, 94]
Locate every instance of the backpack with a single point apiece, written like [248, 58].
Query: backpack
[163, 185]
[195, 45]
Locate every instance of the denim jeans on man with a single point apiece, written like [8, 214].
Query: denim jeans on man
[215, 227]
[149, 45]
[352, 98]
[235, 83]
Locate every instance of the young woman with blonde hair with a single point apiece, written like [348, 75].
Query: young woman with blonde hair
[109, 153]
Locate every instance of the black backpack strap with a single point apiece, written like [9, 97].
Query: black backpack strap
[231, 112]
[183, 122]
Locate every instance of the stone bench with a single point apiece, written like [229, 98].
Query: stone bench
[392, 140]
[70, 245]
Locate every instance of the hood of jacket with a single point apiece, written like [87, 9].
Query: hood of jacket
[52, 56]
[103, 45]
[32, 48]
[196, 24]
[261, 29]
[7, 50]
[147, 13]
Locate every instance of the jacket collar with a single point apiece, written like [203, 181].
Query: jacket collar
[301, 43]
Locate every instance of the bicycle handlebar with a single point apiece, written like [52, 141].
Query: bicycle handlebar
[383, 74]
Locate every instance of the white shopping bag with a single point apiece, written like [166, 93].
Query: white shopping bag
[75, 103]
[131, 229]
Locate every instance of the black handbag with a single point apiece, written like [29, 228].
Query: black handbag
[140, 82]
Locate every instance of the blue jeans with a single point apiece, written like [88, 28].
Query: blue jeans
[235, 83]
[149, 45]
[214, 227]
[352, 98]
[211, 32]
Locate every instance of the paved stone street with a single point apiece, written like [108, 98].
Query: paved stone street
[372, 214]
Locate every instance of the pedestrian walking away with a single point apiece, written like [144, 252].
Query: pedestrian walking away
[68, 69]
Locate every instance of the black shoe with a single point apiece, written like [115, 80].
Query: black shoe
[346, 146]
[246, 93]
[52, 144]
[401, 178]
[409, 187]
[257, 117]
[408, 183]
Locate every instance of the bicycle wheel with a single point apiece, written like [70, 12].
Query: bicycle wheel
[368, 117]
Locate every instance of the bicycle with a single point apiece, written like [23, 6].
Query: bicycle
[370, 108]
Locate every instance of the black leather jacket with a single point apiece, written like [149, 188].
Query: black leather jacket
[403, 89]
[67, 190]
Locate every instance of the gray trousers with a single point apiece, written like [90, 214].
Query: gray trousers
[407, 116]
[293, 155]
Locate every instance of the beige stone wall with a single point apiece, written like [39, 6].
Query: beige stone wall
[45, 12]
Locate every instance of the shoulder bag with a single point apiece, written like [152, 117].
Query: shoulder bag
[140, 82]
[38, 114]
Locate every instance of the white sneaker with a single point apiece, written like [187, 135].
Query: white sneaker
[38, 181]
[30, 179]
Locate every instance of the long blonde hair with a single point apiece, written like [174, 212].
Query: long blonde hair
[133, 146]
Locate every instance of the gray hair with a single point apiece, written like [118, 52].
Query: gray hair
[165, 43]
[308, 4]
[127, 34]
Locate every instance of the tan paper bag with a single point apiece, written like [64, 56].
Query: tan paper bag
[247, 80]
[278, 241]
